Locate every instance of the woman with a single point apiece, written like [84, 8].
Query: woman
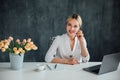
[69, 48]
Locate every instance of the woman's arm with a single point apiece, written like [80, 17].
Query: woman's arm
[83, 46]
[52, 50]
[70, 61]
[84, 50]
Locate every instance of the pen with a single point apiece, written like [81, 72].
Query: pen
[48, 67]
[55, 66]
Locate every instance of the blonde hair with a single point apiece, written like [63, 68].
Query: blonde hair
[77, 17]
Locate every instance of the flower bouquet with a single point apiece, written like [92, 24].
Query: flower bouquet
[17, 49]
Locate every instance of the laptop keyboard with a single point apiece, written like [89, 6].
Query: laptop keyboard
[94, 69]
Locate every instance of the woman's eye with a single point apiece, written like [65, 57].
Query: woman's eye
[69, 24]
[75, 26]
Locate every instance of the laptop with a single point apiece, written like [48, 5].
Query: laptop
[110, 63]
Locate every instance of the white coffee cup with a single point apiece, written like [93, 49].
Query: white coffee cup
[40, 68]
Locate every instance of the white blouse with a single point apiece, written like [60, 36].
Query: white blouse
[61, 48]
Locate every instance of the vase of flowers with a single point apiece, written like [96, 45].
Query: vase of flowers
[16, 61]
[16, 50]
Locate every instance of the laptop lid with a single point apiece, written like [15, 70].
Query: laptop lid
[110, 63]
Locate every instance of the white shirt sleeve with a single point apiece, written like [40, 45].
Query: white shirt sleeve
[85, 59]
[52, 50]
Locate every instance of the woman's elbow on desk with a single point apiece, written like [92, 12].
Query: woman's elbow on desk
[86, 59]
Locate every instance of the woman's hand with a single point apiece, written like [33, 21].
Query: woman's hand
[80, 35]
[72, 61]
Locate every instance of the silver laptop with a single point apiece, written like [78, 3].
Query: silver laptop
[110, 63]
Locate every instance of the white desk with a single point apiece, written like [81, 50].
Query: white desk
[63, 72]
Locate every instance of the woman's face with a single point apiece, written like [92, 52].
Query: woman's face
[72, 27]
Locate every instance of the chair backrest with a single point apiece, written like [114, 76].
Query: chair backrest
[51, 41]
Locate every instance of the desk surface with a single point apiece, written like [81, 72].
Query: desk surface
[63, 72]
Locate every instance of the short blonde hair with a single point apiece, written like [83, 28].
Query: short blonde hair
[77, 17]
